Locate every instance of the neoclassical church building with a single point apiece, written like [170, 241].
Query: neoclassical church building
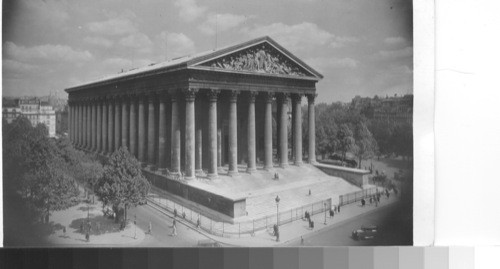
[213, 128]
[195, 114]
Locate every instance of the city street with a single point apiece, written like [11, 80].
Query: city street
[386, 218]
[162, 230]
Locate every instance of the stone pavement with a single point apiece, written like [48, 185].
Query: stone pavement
[108, 234]
[294, 229]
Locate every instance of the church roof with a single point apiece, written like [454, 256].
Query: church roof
[261, 56]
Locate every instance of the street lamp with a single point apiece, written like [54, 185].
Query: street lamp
[277, 210]
[325, 213]
[135, 226]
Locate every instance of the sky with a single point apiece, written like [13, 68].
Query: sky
[361, 47]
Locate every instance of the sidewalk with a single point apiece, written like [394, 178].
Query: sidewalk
[293, 230]
[108, 234]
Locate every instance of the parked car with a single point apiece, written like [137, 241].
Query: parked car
[365, 232]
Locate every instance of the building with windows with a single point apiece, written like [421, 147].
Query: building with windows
[32, 108]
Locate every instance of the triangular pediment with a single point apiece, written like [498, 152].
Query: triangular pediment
[262, 58]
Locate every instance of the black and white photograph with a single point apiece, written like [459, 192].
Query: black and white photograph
[193, 123]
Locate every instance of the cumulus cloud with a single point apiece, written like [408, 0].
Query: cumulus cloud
[223, 21]
[303, 36]
[99, 41]
[324, 63]
[116, 25]
[393, 54]
[138, 41]
[175, 44]
[395, 40]
[46, 52]
[48, 11]
[12, 68]
[343, 41]
[189, 10]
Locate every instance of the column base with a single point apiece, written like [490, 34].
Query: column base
[199, 173]
[313, 162]
[233, 173]
[298, 163]
[189, 177]
[251, 170]
[269, 168]
[284, 165]
[213, 176]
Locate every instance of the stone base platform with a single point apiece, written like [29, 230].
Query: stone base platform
[249, 196]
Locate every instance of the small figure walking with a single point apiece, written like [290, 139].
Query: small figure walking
[183, 215]
[87, 236]
[363, 202]
[198, 223]
[175, 213]
[338, 209]
[64, 230]
[174, 228]
[309, 192]
[150, 228]
[301, 240]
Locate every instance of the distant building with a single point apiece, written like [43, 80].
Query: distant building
[62, 121]
[35, 110]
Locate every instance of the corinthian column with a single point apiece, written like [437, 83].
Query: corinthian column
[111, 133]
[151, 130]
[190, 134]
[251, 133]
[162, 132]
[133, 125]
[233, 133]
[98, 148]
[125, 123]
[284, 130]
[94, 124]
[212, 133]
[297, 132]
[268, 132]
[142, 129]
[311, 128]
[117, 122]
[175, 166]
[104, 148]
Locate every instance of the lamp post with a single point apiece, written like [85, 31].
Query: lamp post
[277, 199]
[135, 226]
[325, 213]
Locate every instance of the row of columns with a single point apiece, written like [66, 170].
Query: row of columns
[104, 124]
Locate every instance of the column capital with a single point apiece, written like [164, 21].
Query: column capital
[284, 96]
[233, 96]
[269, 97]
[311, 97]
[213, 94]
[190, 93]
[297, 97]
[252, 96]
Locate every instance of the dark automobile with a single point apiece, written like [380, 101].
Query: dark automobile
[365, 232]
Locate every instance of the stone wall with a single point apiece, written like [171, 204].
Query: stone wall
[231, 207]
[354, 176]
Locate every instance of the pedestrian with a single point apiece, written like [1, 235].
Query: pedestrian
[198, 223]
[150, 228]
[309, 192]
[338, 209]
[301, 240]
[371, 200]
[363, 202]
[387, 193]
[175, 213]
[183, 215]
[331, 213]
[277, 235]
[64, 230]
[87, 236]
[174, 229]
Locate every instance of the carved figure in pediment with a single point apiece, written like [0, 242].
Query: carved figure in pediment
[261, 59]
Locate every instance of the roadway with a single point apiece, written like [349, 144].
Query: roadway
[395, 228]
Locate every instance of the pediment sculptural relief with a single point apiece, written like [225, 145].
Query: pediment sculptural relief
[261, 59]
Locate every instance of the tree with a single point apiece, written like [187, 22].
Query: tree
[122, 184]
[345, 139]
[365, 145]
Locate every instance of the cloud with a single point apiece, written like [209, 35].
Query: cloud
[324, 63]
[343, 41]
[189, 10]
[48, 11]
[303, 36]
[114, 26]
[99, 41]
[138, 41]
[13, 68]
[223, 21]
[45, 52]
[393, 54]
[395, 40]
[175, 44]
